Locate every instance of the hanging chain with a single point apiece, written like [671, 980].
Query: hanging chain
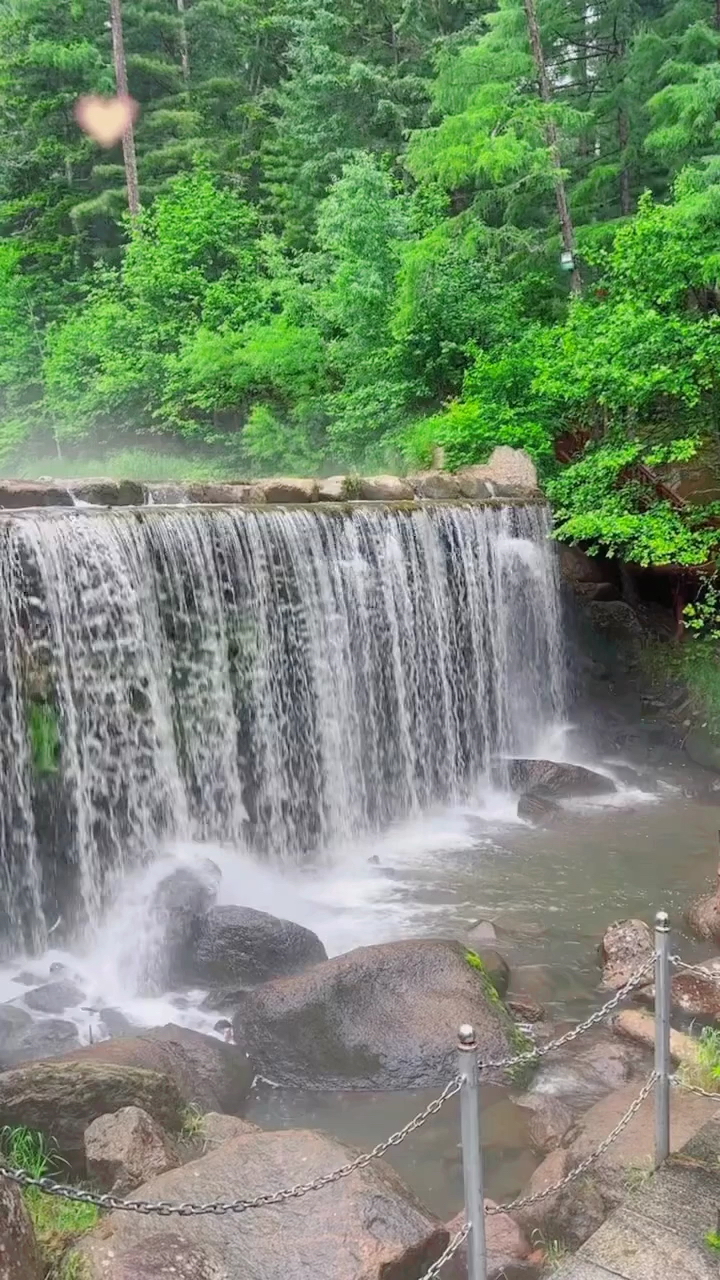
[694, 1088]
[710, 975]
[452, 1249]
[585, 1164]
[164, 1209]
[541, 1051]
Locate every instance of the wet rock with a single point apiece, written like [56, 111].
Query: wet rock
[703, 916]
[250, 495]
[571, 1215]
[703, 747]
[625, 947]
[586, 1075]
[171, 495]
[549, 1120]
[30, 1041]
[107, 493]
[55, 997]
[289, 490]
[27, 979]
[163, 1256]
[16, 494]
[507, 1249]
[615, 620]
[435, 484]
[207, 1073]
[115, 1023]
[561, 781]
[12, 1020]
[695, 993]
[481, 934]
[380, 1017]
[368, 1227]
[535, 806]
[334, 489]
[19, 1254]
[524, 1009]
[126, 1148]
[383, 489]
[62, 1097]
[579, 569]
[179, 906]
[217, 1129]
[496, 967]
[238, 944]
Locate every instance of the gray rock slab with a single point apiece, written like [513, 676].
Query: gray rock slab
[639, 1248]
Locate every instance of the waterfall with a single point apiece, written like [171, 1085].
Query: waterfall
[280, 680]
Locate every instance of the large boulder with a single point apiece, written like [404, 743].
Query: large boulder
[107, 493]
[553, 778]
[164, 1255]
[124, 1149]
[334, 489]
[703, 916]
[383, 489]
[291, 490]
[16, 494]
[703, 747]
[506, 1246]
[240, 945]
[626, 946]
[61, 1098]
[178, 908]
[380, 1017]
[435, 484]
[55, 997]
[549, 1120]
[367, 1227]
[207, 1072]
[616, 621]
[250, 495]
[28, 1041]
[19, 1254]
[539, 808]
[505, 468]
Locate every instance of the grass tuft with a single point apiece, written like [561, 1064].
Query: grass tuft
[57, 1223]
[705, 1071]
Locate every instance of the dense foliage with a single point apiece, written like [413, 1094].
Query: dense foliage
[349, 247]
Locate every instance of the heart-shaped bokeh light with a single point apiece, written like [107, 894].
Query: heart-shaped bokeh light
[105, 120]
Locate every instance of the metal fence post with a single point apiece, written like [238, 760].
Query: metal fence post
[662, 1037]
[472, 1153]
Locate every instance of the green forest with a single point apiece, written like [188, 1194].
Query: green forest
[352, 246]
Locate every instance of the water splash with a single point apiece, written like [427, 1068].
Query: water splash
[281, 682]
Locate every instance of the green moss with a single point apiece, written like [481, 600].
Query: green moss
[519, 1042]
[712, 1240]
[44, 734]
[57, 1223]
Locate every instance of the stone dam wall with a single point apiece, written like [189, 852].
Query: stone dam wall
[507, 478]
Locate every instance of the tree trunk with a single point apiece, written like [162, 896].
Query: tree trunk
[128, 139]
[566, 226]
[184, 49]
[623, 133]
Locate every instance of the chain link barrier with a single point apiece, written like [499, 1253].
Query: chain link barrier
[451, 1250]
[710, 975]
[679, 1083]
[109, 1202]
[523, 1201]
[541, 1051]
[165, 1209]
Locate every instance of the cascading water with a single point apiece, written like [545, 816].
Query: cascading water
[279, 681]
